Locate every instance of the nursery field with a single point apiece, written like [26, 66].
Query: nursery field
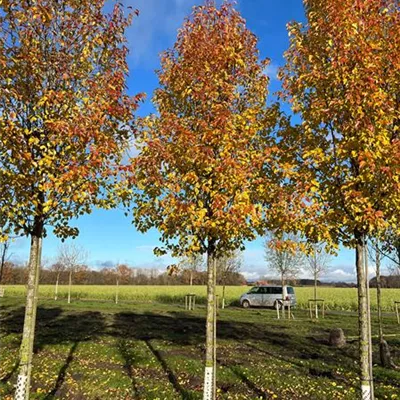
[335, 298]
[103, 351]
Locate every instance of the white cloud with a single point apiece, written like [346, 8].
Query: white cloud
[272, 71]
[155, 28]
[340, 272]
[250, 275]
[145, 247]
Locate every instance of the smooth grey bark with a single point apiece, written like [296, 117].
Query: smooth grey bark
[215, 329]
[35, 299]
[369, 316]
[365, 376]
[209, 374]
[117, 292]
[28, 335]
[191, 278]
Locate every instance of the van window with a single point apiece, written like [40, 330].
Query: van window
[254, 290]
[267, 290]
[290, 290]
[276, 290]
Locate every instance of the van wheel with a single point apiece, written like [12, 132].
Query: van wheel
[246, 304]
[278, 304]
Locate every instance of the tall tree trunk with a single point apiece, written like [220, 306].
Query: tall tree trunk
[369, 315]
[315, 296]
[116, 292]
[69, 286]
[365, 375]
[191, 278]
[223, 295]
[35, 299]
[28, 335]
[378, 299]
[209, 372]
[215, 332]
[283, 295]
[56, 290]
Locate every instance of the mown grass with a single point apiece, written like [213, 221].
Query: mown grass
[95, 350]
[335, 298]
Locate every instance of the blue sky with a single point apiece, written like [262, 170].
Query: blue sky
[108, 236]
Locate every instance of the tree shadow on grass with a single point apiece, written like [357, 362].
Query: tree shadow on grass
[53, 327]
[69, 327]
[171, 376]
[10, 374]
[184, 331]
[56, 326]
[12, 321]
[61, 374]
[130, 361]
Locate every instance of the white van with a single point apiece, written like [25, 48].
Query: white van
[268, 296]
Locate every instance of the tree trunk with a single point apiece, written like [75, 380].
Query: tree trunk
[35, 299]
[69, 287]
[223, 295]
[283, 296]
[369, 316]
[208, 393]
[56, 290]
[116, 292]
[215, 331]
[378, 294]
[191, 278]
[365, 375]
[315, 296]
[28, 335]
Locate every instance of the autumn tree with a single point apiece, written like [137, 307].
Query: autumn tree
[64, 122]
[317, 263]
[342, 78]
[199, 173]
[124, 273]
[192, 263]
[4, 256]
[72, 257]
[57, 268]
[389, 247]
[227, 265]
[284, 256]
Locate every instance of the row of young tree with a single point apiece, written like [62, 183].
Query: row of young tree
[217, 164]
[289, 263]
[70, 267]
[286, 264]
[56, 274]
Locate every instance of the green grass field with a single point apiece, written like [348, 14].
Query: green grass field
[93, 350]
[335, 298]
